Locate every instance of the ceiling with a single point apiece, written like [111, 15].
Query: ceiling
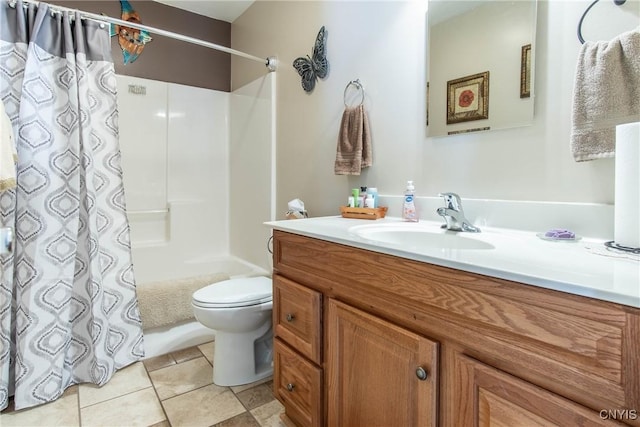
[225, 10]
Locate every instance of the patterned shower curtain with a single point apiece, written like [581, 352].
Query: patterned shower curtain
[68, 306]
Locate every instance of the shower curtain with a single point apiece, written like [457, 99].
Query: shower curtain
[68, 306]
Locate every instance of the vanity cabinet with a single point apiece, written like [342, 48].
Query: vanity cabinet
[494, 352]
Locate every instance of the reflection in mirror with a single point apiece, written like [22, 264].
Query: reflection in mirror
[480, 65]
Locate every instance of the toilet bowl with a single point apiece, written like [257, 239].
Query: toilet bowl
[239, 310]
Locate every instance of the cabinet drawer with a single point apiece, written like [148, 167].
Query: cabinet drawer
[298, 385]
[296, 317]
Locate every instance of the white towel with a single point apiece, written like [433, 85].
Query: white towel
[8, 154]
[606, 93]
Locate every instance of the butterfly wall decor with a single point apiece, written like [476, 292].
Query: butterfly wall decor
[316, 66]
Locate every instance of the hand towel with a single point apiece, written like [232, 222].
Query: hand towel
[8, 155]
[354, 142]
[606, 93]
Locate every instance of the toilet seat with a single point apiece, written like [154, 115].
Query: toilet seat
[241, 292]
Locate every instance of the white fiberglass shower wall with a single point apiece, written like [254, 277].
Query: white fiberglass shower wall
[252, 170]
[198, 172]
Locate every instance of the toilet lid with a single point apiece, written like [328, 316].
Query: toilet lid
[235, 293]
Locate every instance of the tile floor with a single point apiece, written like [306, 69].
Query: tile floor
[172, 390]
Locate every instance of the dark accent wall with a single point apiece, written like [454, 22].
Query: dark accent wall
[167, 59]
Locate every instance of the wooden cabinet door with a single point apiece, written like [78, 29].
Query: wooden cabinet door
[373, 369]
[487, 397]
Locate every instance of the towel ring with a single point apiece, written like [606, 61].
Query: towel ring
[617, 2]
[358, 87]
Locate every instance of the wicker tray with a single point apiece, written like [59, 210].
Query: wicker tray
[363, 213]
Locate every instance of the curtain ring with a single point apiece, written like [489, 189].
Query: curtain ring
[358, 87]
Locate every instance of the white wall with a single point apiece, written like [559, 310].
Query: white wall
[383, 44]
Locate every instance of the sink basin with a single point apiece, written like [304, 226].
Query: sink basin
[417, 236]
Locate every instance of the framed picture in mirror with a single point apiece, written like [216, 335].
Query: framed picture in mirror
[468, 98]
[525, 72]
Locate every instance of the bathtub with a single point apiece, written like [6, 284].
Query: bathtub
[179, 244]
[177, 336]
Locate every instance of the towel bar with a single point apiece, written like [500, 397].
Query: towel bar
[617, 2]
[358, 87]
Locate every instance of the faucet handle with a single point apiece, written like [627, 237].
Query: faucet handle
[452, 200]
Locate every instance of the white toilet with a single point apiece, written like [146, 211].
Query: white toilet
[239, 310]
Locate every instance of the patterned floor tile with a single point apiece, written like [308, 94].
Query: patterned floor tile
[140, 408]
[126, 380]
[158, 362]
[61, 412]
[207, 350]
[181, 378]
[186, 354]
[242, 420]
[255, 396]
[240, 388]
[203, 407]
[269, 415]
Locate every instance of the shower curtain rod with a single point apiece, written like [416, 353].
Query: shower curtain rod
[269, 62]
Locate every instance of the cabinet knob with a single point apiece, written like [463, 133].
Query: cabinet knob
[421, 373]
[290, 317]
[290, 387]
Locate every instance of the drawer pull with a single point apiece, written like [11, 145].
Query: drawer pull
[290, 317]
[421, 373]
[290, 387]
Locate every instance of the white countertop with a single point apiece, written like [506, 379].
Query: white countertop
[584, 267]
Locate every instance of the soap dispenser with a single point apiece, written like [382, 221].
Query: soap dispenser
[409, 211]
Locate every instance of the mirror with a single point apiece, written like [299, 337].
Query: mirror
[480, 63]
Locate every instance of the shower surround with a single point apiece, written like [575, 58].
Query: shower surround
[198, 173]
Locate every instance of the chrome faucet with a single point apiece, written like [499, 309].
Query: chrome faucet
[454, 215]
